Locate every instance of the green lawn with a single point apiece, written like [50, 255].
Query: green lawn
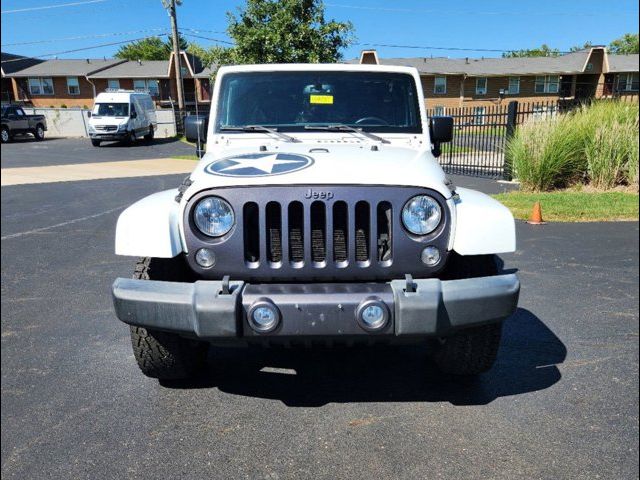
[571, 206]
[186, 157]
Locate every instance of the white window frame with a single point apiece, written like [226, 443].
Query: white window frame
[515, 91]
[628, 82]
[549, 83]
[443, 84]
[479, 115]
[115, 81]
[40, 83]
[69, 86]
[481, 90]
[147, 82]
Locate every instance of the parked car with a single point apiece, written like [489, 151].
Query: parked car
[16, 122]
[122, 115]
[318, 215]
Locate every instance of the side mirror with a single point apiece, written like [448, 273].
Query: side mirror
[195, 131]
[440, 131]
[133, 115]
[89, 114]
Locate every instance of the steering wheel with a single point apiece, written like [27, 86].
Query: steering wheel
[371, 121]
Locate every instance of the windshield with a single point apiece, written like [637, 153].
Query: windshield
[296, 101]
[111, 109]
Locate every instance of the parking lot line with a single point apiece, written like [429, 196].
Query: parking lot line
[94, 171]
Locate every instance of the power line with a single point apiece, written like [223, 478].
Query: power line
[47, 7]
[460, 49]
[82, 49]
[84, 37]
[208, 38]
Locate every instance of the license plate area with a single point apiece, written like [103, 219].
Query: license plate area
[319, 309]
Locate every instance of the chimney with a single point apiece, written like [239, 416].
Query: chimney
[466, 60]
[139, 62]
[88, 61]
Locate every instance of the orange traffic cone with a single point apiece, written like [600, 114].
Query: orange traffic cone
[536, 215]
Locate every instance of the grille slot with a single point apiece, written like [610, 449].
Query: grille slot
[362, 233]
[384, 234]
[251, 216]
[340, 232]
[273, 217]
[318, 219]
[296, 233]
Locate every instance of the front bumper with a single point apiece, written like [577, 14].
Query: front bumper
[201, 309]
[109, 136]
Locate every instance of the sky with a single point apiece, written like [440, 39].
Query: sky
[436, 28]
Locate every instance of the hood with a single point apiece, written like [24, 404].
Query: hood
[319, 164]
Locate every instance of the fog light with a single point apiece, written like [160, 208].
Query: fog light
[264, 316]
[430, 256]
[205, 258]
[372, 314]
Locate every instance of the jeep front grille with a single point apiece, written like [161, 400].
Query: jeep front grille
[292, 233]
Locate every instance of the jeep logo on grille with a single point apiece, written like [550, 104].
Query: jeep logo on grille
[259, 164]
[318, 194]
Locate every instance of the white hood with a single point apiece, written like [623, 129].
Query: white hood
[332, 163]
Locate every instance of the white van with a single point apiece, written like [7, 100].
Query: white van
[122, 115]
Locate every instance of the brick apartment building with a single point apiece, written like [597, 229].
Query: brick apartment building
[482, 82]
[75, 82]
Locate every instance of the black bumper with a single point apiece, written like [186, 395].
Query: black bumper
[201, 309]
[109, 136]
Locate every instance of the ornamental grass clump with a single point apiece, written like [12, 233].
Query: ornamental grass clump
[596, 145]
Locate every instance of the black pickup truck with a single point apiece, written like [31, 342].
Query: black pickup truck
[16, 122]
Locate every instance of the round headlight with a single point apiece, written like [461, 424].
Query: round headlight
[421, 215]
[213, 216]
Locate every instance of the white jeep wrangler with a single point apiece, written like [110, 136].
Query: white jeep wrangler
[318, 214]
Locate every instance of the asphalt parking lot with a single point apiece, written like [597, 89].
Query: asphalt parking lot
[561, 402]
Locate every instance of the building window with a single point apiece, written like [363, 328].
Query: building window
[113, 83]
[147, 85]
[440, 85]
[479, 115]
[547, 84]
[438, 111]
[514, 86]
[73, 86]
[481, 86]
[40, 86]
[628, 82]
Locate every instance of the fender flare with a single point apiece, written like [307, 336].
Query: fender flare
[150, 227]
[482, 225]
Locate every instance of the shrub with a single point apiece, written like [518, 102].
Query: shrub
[596, 144]
[63, 106]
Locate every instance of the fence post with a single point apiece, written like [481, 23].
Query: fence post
[512, 120]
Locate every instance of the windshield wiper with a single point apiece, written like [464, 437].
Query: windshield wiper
[258, 128]
[341, 127]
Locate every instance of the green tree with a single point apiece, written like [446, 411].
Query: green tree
[283, 31]
[543, 51]
[585, 46]
[625, 45]
[150, 48]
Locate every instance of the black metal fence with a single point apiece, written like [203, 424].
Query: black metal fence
[481, 133]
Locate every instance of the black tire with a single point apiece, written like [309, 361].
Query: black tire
[149, 136]
[131, 138]
[473, 350]
[38, 132]
[95, 143]
[163, 355]
[5, 135]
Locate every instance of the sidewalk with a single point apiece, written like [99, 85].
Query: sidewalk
[94, 171]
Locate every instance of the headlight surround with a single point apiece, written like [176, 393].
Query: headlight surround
[421, 215]
[122, 127]
[213, 216]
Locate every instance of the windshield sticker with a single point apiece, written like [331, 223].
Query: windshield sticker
[321, 99]
[259, 164]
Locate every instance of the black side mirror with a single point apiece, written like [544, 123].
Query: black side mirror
[133, 115]
[89, 114]
[440, 131]
[195, 131]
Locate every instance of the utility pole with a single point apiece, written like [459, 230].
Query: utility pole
[170, 6]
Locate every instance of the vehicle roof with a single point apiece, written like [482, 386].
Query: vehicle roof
[118, 96]
[316, 67]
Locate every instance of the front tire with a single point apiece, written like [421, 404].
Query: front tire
[95, 143]
[131, 138]
[5, 135]
[473, 350]
[163, 355]
[38, 133]
[149, 136]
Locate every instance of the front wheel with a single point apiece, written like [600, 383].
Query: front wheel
[95, 143]
[131, 138]
[469, 352]
[5, 135]
[38, 133]
[164, 355]
[149, 136]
